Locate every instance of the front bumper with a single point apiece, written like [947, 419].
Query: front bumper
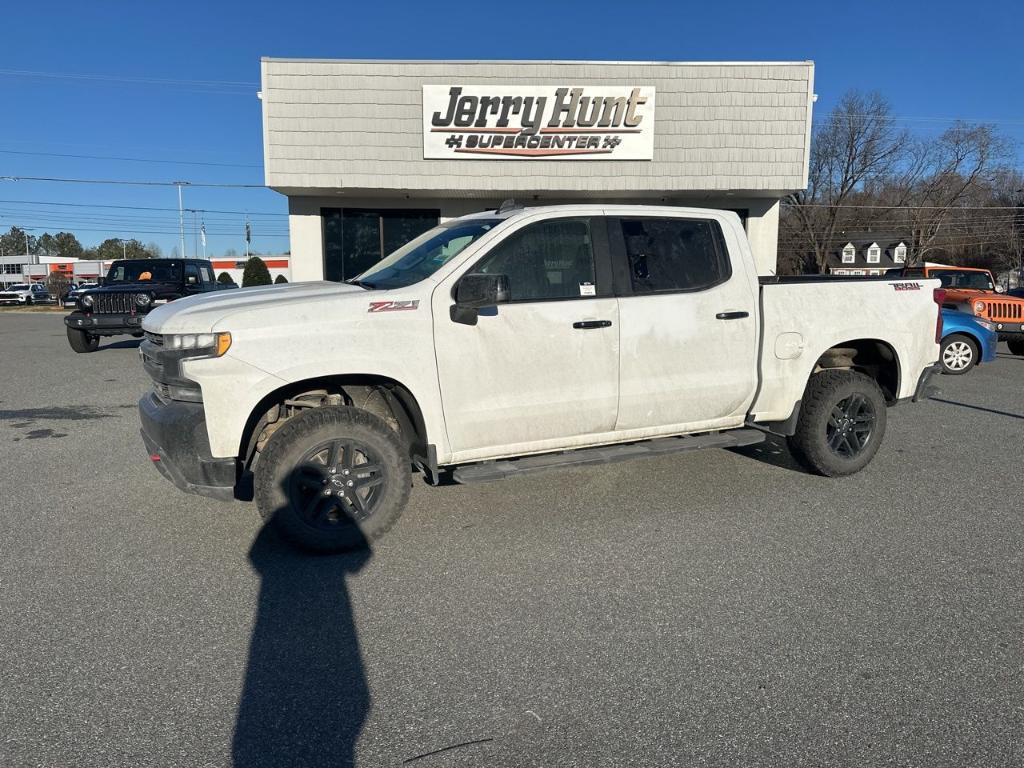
[179, 447]
[105, 325]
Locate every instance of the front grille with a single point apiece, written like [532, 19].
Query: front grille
[114, 303]
[156, 339]
[1004, 311]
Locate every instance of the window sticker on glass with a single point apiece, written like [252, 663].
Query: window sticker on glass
[587, 289]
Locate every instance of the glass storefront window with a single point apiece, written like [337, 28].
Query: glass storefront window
[356, 238]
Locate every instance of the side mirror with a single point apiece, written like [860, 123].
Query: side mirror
[1000, 289]
[191, 280]
[474, 292]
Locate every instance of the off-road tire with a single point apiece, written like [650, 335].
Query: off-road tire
[82, 341]
[958, 339]
[825, 391]
[286, 449]
[1016, 346]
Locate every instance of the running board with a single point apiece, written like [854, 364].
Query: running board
[605, 454]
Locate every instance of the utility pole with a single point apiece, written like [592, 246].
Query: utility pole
[124, 249]
[181, 219]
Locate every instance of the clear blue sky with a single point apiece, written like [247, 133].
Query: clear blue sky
[932, 60]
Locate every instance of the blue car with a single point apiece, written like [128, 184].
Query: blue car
[966, 341]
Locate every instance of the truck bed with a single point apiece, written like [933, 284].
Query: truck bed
[803, 316]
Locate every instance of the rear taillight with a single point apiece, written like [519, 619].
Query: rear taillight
[939, 294]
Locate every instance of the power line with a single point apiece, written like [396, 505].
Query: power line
[122, 79]
[135, 183]
[129, 159]
[134, 207]
[907, 207]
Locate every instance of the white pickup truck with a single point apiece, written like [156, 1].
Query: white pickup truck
[512, 341]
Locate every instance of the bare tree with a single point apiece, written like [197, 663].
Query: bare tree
[943, 175]
[857, 146]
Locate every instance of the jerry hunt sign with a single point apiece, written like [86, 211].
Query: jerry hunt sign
[511, 122]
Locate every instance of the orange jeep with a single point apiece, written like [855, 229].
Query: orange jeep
[975, 291]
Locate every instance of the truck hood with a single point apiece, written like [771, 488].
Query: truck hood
[212, 311]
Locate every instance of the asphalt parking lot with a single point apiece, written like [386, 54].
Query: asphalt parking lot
[718, 608]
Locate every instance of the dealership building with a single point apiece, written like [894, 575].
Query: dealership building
[371, 153]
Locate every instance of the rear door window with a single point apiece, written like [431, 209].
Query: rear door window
[670, 254]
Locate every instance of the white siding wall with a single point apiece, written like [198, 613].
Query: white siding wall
[358, 125]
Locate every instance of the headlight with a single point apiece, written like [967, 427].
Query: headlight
[979, 307]
[987, 325]
[213, 344]
[142, 300]
[87, 301]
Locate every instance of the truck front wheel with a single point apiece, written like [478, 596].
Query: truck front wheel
[841, 423]
[333, 479]
[82, 341]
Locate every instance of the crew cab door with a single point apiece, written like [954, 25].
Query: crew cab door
[539, 371]
[687, 324]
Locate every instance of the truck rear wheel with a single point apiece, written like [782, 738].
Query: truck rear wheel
[82, 341]
[841, 423]
[1016, 346]
[333, 479]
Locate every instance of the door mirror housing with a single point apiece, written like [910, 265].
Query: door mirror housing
[1000, 289]
[475, 292]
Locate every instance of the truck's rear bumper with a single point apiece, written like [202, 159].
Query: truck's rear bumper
[105, 325]
[925, 388]
[178, 445]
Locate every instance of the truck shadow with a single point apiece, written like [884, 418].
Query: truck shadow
[773, 451]
[305, 696]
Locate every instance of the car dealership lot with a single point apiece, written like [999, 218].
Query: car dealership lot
[717, 608]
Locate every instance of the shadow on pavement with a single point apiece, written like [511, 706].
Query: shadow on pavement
[773, 451]
[978, 408]
[305, 696]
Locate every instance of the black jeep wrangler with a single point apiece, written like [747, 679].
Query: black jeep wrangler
[130, 290]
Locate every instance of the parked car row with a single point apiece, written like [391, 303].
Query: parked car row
[25, 294]
[975, 292]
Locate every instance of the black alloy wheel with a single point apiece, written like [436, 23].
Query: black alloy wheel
[850, 426]
[337, 483]
[841, 423]
[333, 479]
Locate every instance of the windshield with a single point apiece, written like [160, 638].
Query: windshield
[972, 281]
[426, 254]
[144, 271]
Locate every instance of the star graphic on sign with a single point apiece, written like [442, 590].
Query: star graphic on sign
[611, 142]
[454, 141]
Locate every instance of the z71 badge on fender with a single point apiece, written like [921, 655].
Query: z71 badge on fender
[393, 306]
